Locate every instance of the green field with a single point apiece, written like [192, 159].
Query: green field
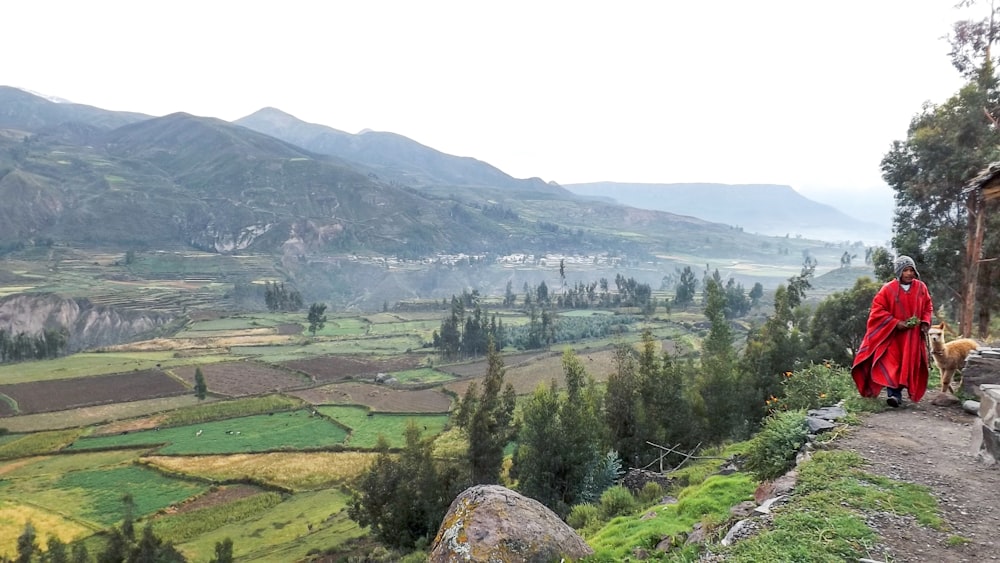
[285, 532]
[421, 375]
[366, 426]
[287, 431]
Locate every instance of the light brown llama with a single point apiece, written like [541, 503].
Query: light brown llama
[949, 356]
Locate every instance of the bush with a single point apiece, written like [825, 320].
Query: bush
[772, 451]
[616, 501]
[651, 493]
[818, 385]
[582, 515]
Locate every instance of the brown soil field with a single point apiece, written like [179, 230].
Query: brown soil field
[290, 328]
[240, 379]
[61, 394]
[222, 495]
[377, 397]
[86, 416]
[478, 368]
[330, 369]
[526, 375]
[6, 409]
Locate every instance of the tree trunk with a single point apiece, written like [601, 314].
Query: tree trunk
[973, 252]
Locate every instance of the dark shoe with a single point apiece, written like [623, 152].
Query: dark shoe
[892, 402]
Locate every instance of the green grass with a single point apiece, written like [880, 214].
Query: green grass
[421, 375]
[94, 495]
[825, 520]
[707, 502]
[282, 530]
[284, 431]
[189, 525]
[53, 466]
[366, 429]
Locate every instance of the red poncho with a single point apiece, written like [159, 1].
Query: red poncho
[891, 357]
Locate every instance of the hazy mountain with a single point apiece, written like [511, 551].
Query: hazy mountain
[389, 155]
[757, 208]
[22, 110]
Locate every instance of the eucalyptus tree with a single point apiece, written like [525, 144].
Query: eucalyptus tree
[946, 146]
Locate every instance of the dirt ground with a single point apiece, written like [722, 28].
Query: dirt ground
[930, 445]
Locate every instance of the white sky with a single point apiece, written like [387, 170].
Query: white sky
[809, 94]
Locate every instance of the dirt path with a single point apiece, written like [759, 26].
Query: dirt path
[929, 445]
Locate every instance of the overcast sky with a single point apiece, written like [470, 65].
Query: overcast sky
[809, 94]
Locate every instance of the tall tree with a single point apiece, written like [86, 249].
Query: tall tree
[946, 146]
[686, 288]
[488, 420]
[317, 317]
[27, 544]
[200, 388]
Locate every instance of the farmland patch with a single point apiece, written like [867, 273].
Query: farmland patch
[86, 416]
[60, 394]
[313, 520]
[367, 426]
[298, 471]
[14, 516]
[378, 398]
[327, 369]
[239, 379]
[260, 433]
[527, 375]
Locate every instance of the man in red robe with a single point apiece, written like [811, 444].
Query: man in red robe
[893, 353]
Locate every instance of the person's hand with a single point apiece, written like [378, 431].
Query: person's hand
[901, 325]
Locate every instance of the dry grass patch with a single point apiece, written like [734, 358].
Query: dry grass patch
[266, 337]
[296, 471]
[14, 516]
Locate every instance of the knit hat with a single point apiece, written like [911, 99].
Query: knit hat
[902, 263]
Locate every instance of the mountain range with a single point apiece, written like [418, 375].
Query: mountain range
[767, 209]
[307, 194]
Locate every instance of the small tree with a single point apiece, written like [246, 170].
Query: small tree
[27, 544]
[317, 317]
[488, 418]
[200, 389]
[223, 552]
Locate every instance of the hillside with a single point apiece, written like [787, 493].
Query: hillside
[757, 208]
[385, 219]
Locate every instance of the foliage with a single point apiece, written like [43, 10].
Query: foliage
[488, 419]
[772, 450]
[317, 317]
[559, 439]
[840, 322]
[200, 389]
[601, 476]
[404, 499]
[686, 287]
[582, 515]
[279, 298]
[21, 346]
[616, 501]
[651, 493]
[814, 386]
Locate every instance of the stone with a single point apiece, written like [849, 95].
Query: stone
[971, 407]
[493, 523]
[980, 370]
[765, 507]
[635, 479]
[817, 425]
[989, 400]
[944, 400]
[828, 413]
[743, 509]
[696, 536]
[783, 485]
[991, 442]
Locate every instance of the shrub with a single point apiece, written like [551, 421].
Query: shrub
[651, 493]
[602, 475]
[582, 515]
[818, 385]
[772, 451]
[616, 501]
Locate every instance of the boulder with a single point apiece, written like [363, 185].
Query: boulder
[494, 523]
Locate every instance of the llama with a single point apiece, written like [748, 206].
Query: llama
[949, 357]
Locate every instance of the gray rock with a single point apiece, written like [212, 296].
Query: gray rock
[817, 425]
[493, 523]
[971, 407]
[828, 413]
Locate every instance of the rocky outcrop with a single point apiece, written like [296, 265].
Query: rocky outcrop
[86, 325]
[495, 524]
